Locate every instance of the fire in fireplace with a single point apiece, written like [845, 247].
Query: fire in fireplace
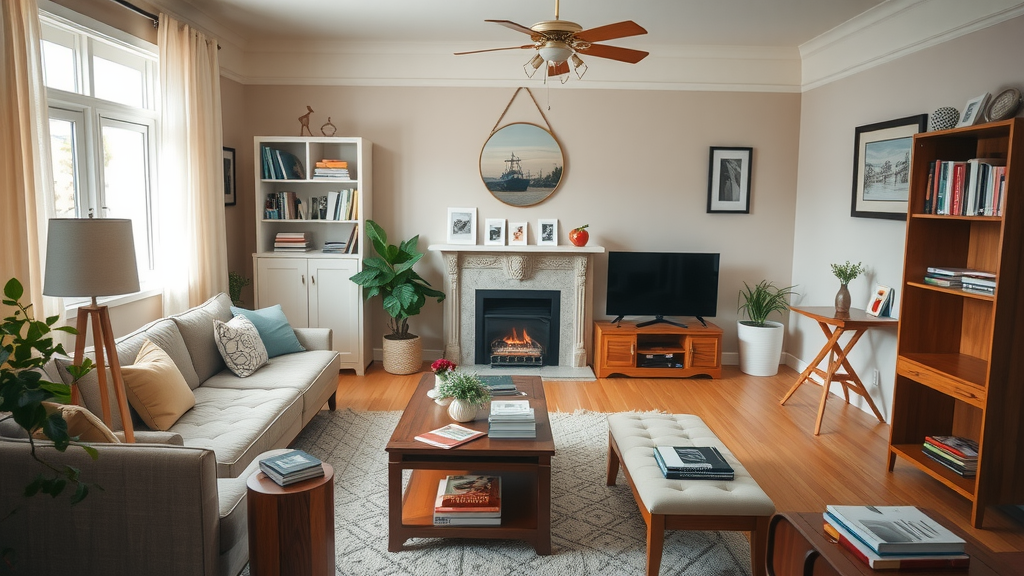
[517, 327]
[516, 350]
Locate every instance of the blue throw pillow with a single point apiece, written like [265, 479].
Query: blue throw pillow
[275, 331]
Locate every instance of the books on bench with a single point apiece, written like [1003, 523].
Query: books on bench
[291, 467]
[895, 530]
[692, 463]
[468, 500]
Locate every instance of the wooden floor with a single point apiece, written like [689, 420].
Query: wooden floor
[800, 472]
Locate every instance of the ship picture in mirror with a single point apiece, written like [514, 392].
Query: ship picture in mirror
[521, 164]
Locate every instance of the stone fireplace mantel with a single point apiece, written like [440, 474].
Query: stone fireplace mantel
[567, 269]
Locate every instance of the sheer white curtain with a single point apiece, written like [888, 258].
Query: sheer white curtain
[193, 242]
[25, 169]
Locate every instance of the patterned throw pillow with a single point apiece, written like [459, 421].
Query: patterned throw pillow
[239, 344]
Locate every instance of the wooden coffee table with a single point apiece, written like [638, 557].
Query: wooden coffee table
[523, 464]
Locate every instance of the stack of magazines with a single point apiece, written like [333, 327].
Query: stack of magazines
[292, 467]
[511, 419]
[692, 463]
[895, 537]
[958, 454]
[468, 501]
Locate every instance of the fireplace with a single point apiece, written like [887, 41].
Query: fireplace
[517, 327]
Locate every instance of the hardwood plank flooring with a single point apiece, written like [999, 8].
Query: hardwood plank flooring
[846, 464]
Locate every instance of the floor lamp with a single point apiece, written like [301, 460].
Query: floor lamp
[94, 257]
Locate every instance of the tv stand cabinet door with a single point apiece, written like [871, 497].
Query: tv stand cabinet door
[618, 352]
[704, 352]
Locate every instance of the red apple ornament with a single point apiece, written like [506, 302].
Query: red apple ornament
[579, 236]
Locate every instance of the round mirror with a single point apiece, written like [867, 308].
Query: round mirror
[521, 164]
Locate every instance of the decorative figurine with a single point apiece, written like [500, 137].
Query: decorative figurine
[304, 121]
[334, 129]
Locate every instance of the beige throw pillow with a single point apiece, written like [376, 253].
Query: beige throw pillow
[156, 389]
[81, 423]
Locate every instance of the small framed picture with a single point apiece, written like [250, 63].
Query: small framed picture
[881, 301]
[462, 225]
[729, 180]
[229, 177]
[517, 233]
[547, 232]
[973, 110]
[494, 232]
[881, 167]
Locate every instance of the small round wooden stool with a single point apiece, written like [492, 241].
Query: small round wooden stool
[291, 528]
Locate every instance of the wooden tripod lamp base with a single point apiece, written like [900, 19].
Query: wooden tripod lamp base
[103, 342]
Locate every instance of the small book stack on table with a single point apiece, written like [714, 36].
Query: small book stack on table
[692, 463]
[292, 467]
[511, 419]
[895, 537]
[468, 501]
[958, 454]
[449, 436]
[500, 385]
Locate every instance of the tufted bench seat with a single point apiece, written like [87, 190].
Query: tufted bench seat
[739, 504]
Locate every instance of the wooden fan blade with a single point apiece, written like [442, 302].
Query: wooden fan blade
[611, 31]
[557, 69]
[513, 26]
[524, 46]
[615, 53]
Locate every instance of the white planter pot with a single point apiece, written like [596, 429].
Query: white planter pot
[760, 348]
[462, 411]
[403, 356]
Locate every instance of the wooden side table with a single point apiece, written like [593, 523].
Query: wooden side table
[291, 528]
[834, 326]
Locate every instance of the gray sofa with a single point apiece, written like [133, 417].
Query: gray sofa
[174, 503]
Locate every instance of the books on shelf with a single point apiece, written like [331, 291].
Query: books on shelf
[341, 205]
[974, 187]
[904, 561]
[280, 164]
[966, 279]
[291, 242]
[511, 419]
[449, 436]
[482, 507]
[895, 530]
[958, 454]
[955, 445]
[692, 463]
[292, 467]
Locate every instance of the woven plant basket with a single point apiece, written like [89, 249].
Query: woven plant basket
[403, 356]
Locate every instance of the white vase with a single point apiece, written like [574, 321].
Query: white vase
[760, 348]
[461, 410]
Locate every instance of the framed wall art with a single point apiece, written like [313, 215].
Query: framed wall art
[881, 167]
[494, 232]
[547, 232]
[729, 179]
[462, 225]
[517, 233]
[974, 110]
[229, 177]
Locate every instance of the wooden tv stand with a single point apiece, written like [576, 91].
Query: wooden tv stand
[625, 349]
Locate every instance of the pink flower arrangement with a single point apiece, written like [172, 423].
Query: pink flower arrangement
[442, 366]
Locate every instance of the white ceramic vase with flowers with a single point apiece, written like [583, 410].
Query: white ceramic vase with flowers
[441, 368]
[467, 392]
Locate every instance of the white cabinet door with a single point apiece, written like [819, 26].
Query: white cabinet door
[283, 281]
[334, 302]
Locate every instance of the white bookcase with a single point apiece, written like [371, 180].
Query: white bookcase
[313, 287]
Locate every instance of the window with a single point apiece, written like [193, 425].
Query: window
[101, 94]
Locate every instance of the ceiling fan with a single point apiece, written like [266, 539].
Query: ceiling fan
[559, 43]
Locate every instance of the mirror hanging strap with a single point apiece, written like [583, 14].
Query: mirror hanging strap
[507, 106]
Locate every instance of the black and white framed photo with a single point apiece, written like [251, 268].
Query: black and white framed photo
[517, 233]
[229, 176]
[973, 110]
[729, 179]
[881, 167]
[494, 232]
[547, 232]
[462, 225]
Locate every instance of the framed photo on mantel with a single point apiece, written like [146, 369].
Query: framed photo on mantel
[881, 167]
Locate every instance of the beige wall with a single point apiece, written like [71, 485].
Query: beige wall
[636, 171]
[945, 75]
[239, 219]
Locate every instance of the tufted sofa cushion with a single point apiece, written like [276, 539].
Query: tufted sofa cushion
[196, 326]
[637, 434]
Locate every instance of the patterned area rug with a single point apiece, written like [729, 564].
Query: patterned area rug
[596, 529]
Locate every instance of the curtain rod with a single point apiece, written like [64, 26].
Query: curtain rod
[140, 11]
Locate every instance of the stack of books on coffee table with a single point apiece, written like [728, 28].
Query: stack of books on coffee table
[895, 537]
[468, 500]
[292, 467]
[511, 419]
[692, 463]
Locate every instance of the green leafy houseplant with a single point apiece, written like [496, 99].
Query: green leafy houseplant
[236, 283]
[847, 272]
[390, 275]
[759, 301]
[464, 386]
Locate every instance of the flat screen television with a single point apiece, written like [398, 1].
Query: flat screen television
[662, 284]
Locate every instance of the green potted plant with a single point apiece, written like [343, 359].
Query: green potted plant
[846, 274]
[761, 339]
[467, 392]
[389, 275]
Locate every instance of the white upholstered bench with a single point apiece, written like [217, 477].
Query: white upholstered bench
[739, 504]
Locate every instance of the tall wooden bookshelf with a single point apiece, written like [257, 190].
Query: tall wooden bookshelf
[960, 359]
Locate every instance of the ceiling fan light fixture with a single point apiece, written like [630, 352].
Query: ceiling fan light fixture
[555, 51]
[578, 66]
[533, 65]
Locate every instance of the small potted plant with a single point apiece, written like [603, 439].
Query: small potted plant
[846, 273]
[467, 392]
[761, 339]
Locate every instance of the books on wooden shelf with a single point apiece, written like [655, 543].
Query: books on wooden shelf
[464, 500]
[958, 454]
[292, 467]
[893, 562]
[974, 187]
[692, 463]
[966, 279]
[449, 436]
[511, 419]
[895, 530]
[280, 164]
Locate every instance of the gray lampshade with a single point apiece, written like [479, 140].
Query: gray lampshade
[90, 257]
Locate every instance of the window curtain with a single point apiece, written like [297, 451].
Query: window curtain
[26, 174]
[193, 240]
